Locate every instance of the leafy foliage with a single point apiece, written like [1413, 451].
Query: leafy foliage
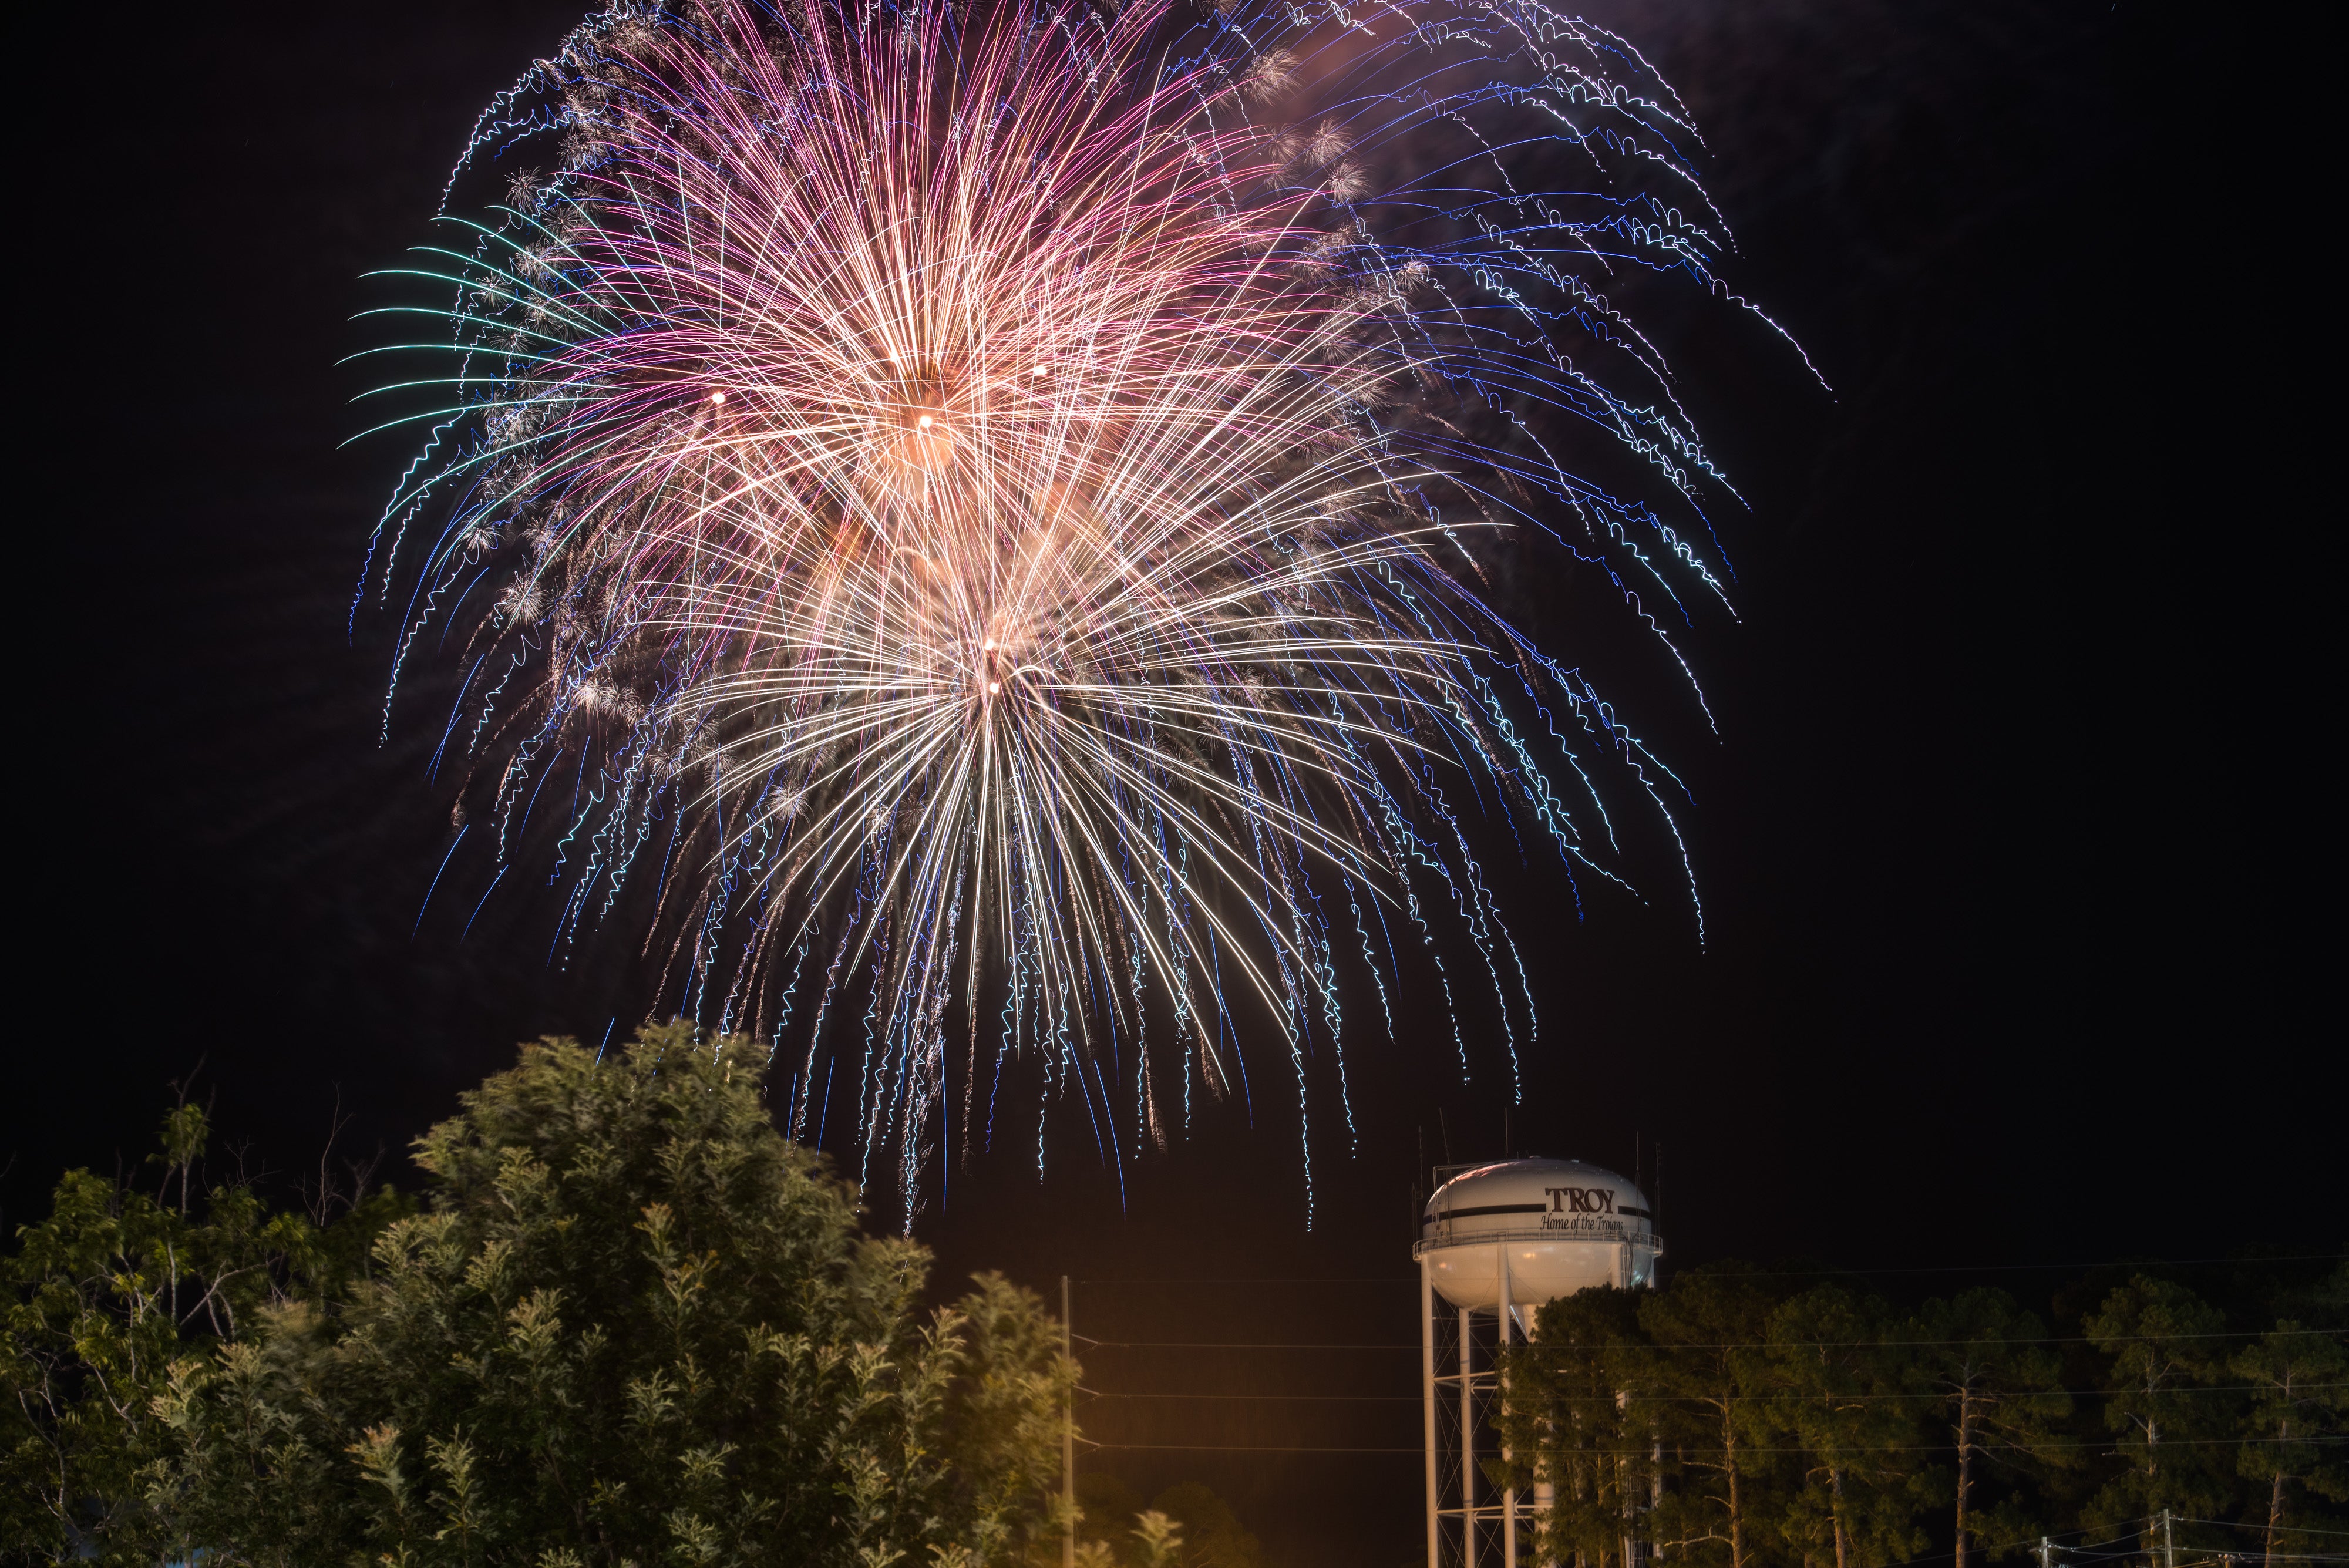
[106, 1295]
[631, 1324]
[1185, 1526]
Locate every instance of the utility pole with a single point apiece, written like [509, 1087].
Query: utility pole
[1068, 1439]
[2046, 1553]
[2169, 1543]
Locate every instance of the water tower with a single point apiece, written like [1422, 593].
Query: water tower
[1494, 1243]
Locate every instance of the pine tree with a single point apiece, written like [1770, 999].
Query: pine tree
[1839, 1399]
[2293, 1431]
[1999, 1390]
[1707, 1361]
[2167, 1348]
[1578, 1422]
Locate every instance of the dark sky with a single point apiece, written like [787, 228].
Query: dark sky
[2012, 843]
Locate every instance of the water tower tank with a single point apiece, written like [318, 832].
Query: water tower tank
[1540, 1228]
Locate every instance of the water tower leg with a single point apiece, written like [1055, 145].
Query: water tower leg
[1467, 1443]
[1427, 1383]
[1544, 1494]
[1505, 1318]
[1067, 1440]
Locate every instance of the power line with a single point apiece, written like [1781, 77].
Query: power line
[1784, 1344]
[2259, 1526]
[1679, 1452]
[1318, 1448]
[2021, 1268]
[1268, 1280]
[1225, 1344]
[2134, 1549]
[1929, 1395]
[1231, 1449]
[1324, 1398]
[1610, 1399]
[1753, 1274]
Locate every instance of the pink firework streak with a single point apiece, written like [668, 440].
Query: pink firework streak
[983, 518]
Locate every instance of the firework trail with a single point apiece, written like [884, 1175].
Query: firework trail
[977, 516]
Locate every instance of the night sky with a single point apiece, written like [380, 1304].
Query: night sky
[2012, 844]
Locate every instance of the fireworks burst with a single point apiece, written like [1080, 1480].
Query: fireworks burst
[982, 510]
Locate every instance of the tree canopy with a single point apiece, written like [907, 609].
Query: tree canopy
[629, 1323]
[1726, 1421]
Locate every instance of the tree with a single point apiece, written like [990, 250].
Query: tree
[1838, 1400]
[107, 1294]
[1999, 1390]
[1106, 1509]
[1185, 1526]
[1708, 1359]
[2165, 1344]
[1157, 1540]
[632, 1323]
[1213, 1535]
[1571, 1426]
[2293, 1429]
